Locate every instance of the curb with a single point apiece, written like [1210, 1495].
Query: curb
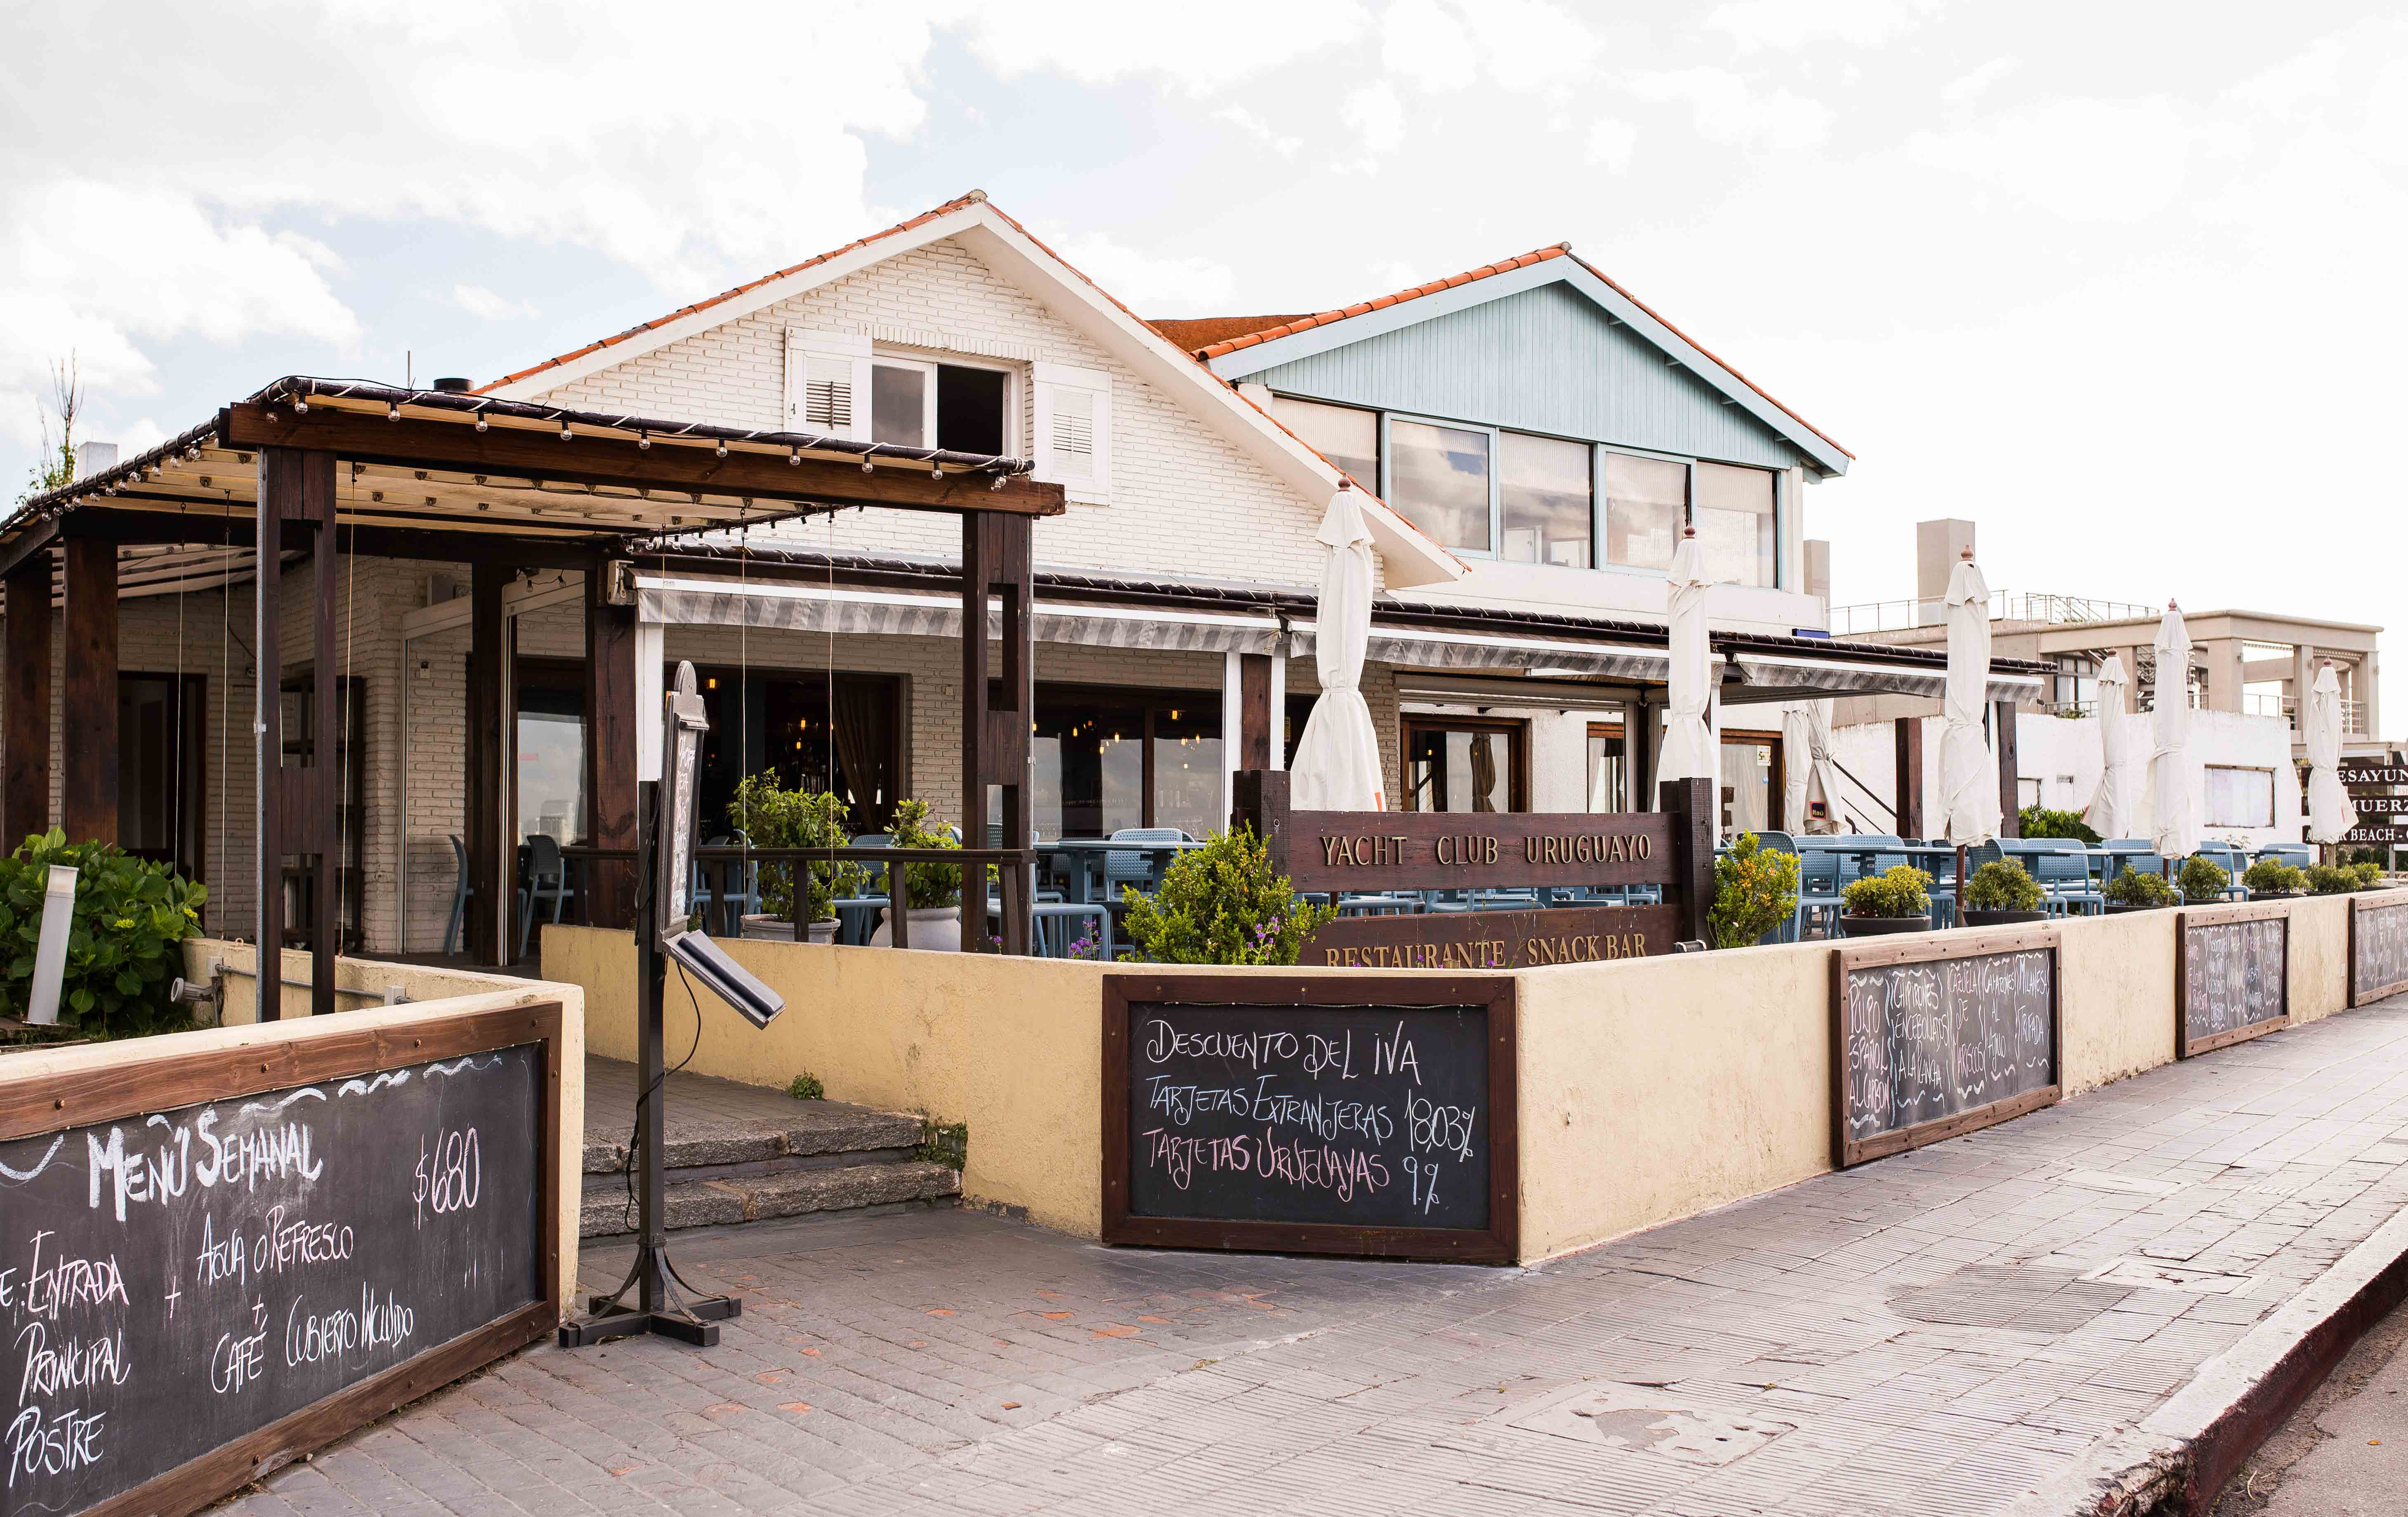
[2190, 1446]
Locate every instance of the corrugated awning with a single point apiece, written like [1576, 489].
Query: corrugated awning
[835, 609]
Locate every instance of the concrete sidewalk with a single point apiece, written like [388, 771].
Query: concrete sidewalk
[2023, 1320]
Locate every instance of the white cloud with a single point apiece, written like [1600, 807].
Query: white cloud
[1199, 49]
[1610, 144]
[2083, 160]
[1161, 284]
[1260, 130]
[485, 305]
[1531, 43]
[1968, 87]
[1756, 24]
[1425, 46]
[1375, 111]
[1728, 108]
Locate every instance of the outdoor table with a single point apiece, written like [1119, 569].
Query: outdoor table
[1095, 910]
[1081, 887]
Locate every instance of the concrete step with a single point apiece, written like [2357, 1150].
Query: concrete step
[765, 1137]
[725, 1202]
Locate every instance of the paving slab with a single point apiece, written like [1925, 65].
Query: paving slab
[2050, 1316]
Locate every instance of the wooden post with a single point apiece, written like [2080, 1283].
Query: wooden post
[490, 905]
[1692, 802]
[89, 706]
[1907, 794]
[25, 717]
[1258, 723]
[995, 564]
[2002, 722]
[1261, 803]
[296, 807]
[610, 746]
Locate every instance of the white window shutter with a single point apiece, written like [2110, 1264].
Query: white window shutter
[827, 383]
[1074, 431]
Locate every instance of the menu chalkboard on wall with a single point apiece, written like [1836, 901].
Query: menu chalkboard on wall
[2231, 975]
[195, 1293]
[1370, 1116]
[2378, 946]
[1934, 1036]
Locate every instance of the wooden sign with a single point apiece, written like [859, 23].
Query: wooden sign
[279, 1244]
[1935, 1036]
[2378, 945]
[2380, 805]
[2369, 836]
[1370, 1115]
[2377, 772]
[2231, 975]
[1494, 939]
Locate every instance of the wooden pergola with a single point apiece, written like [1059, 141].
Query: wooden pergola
[315, 468]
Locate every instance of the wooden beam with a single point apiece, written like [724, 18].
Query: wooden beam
[2002, 717]
[322, 789]
[526, 546]
[490, 904]
[519, 453]
[25, 704]
[995, 566]
[40, 538]
[1256, 721]
[1906, 792]
[89, 694]
[610, 718]
[1694, 808]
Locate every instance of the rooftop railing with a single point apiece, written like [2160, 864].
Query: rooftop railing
[2005, 605]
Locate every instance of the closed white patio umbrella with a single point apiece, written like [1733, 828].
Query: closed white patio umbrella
[1826, 768]
[1797, 769]
[1337, 765]
[2116, 808]
[1969, 778]
[2330, 815]
[2170, 789]
[1688, 737]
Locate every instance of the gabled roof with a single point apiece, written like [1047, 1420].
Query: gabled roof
[1008, 248]
[1233, 354]
[1194, 332]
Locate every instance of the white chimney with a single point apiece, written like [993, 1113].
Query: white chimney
[92, 457]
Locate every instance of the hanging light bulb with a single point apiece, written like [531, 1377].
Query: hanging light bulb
[566, 435]
[392, 410]
[481, 420]
[719, 452]
[796, 456]
[643, 442]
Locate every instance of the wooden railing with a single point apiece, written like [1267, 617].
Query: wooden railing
[1012, 866]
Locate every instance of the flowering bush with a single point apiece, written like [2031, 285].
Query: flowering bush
[121, 952]
[1222, 904]
[1755, 890]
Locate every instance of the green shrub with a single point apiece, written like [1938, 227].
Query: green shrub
[2001, 885]
[2328, 879]
[775, 818]
[2369, 874]
[2272, 877]
[2203, 883]
[1904, 890]
[807, 1087]
[2039, 821]
[121, 952]
[1755, 892]
[930, 884]
[2367, 855]
[947, 1143]
[1222, 904]
[2136, 887]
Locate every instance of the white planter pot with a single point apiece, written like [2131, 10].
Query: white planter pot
[936, 927]
[770, 929]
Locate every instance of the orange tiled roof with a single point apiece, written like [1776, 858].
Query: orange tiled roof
[1195, 332]
[1230, 342]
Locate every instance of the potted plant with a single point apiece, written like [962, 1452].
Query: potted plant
[2000, 893]
[2273, 878]
[1897, 901]
[935, 889]
[2135, 890]
[2369, 874]
[2202, 883]
[1755, 892]
[1222, 904]
[776, 818]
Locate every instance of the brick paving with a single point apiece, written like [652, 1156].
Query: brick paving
[1932, 1334]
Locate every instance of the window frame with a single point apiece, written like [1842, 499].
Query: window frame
[1517, 755]
[1378, 434]
[1387, 469]
[2208, 794]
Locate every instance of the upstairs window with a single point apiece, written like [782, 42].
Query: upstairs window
[1734, 516]
[1647, 499]
[1348, 437]
[1074, 431]
[1542, 500]
[1441, 478]
[835, 385]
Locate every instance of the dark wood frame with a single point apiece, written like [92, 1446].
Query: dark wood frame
[191, 684]
[1918, 948]
[1517, 755]
[349, 870]
[1497, 1243]
[2361, 996]
[173, 1078]
[2215, 916]
[1616, 731]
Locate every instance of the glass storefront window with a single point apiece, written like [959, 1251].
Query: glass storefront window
[1645, 499]
[1542, 494]
[551, 762]
[1735, 520]
[1438, 480]
[1452, 764]
[1749, 775]
[1188, 767]
[1609, 787]
[1089, 765]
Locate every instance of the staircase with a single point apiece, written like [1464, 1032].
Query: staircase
[737, 1153]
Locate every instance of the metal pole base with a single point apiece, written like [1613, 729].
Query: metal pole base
[692, 1321]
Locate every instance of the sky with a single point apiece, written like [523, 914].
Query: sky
[2120, 283]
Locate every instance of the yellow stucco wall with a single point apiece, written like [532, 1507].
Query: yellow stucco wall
[2115, 997]
[2319, 956]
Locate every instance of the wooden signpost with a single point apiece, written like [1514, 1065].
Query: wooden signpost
[1494, 939]
[1933, 1038]
[1371, 1115]
[2231, 975]
[2378, 946]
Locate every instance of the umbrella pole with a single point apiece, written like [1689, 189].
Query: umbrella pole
[1961, 883]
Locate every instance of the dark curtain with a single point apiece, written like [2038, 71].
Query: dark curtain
[863, 731]
[1483, 771]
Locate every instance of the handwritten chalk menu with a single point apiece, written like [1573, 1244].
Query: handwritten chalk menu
[1939, 1036]
[2378, 947]
[173, 1281]
[2232, 976]
[1362, 1118]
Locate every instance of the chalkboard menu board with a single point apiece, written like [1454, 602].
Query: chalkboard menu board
[1370, 1116]
[2378, 946]
[2231, 975]
[194, 1292]
[1935, 1036]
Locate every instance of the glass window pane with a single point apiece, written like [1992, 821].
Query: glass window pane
[1348, 437]
[1461, 770]
[1747, 785]
[551, 765]
[1089, 756]
[1438, 479]
[1187, 766]
[898, 405]
[1735, 524]
[2240, 797]
[1543, 496]
[1607, 790]
[1644, 501]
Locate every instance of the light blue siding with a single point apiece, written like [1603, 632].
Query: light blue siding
[1543, 360]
